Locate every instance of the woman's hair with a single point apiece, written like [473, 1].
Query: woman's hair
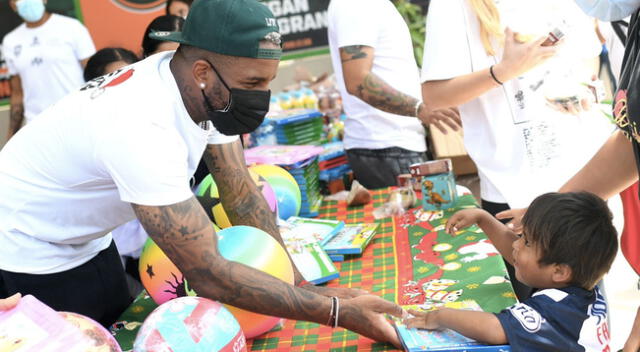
[166, 9]
[165, 23]
[103, 57]
[489, 19]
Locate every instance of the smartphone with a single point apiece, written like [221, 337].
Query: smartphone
[553, 38]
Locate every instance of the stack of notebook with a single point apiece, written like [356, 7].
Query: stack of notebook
[298, 127]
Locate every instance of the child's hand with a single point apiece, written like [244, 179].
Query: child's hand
[422, 320]
[463, 219]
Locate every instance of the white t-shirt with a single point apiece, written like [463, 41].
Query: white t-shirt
[47, 59]
[66, 180]
[522, 147]
[376, 23]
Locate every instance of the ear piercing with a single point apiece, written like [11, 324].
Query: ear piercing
[202, 85]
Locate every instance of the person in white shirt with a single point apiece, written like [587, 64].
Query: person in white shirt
[45, 56]
[378, 79]
[521, 145]
[125, 146]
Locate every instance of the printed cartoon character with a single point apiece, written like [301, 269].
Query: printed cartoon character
[427, 254]
[433, 197]
[482, 249]
[426, 216]
[429, 291]
[436, 290]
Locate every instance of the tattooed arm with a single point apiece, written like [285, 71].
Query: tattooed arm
[357, 61]
[183, 231]
[240, 197]
[17, 106]
[245, 205]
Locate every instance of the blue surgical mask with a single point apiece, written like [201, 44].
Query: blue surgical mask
[30, 10]
[609, 10]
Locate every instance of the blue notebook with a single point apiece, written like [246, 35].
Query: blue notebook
[321, 230]
[352, 239]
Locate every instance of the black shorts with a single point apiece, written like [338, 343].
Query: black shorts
[379, 168]
[97, 288]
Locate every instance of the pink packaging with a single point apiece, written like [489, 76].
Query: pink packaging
[34, 327]
[281, 154]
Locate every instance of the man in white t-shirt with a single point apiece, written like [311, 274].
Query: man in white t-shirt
[379, 81]
[45, 56]
[125, 146]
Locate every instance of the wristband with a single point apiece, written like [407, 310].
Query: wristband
[417, 107]
[493, 75]
[333, 314]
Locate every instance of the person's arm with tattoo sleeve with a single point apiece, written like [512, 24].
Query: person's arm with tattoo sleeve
[245, 205]
[184, 232]
[17, 106]
[357, 61]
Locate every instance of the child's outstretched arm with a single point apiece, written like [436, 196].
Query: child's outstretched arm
[500, 235]
[480, 326]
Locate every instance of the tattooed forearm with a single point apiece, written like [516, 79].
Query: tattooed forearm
[240, 196]
[242, 200]
[185, 234]
[17, 105]
[352, 52]
[379, 94]
[16, 117]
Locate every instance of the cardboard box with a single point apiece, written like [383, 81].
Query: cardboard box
[431, 167]
[451, 146]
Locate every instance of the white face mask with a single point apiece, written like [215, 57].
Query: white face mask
[609, 10]
[30, 10]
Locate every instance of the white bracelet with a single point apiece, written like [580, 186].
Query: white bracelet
[335, 324]
[417, 107]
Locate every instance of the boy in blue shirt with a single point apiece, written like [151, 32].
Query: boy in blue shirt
[567, 244]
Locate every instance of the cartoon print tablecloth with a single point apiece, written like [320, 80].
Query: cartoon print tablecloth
[410, 261]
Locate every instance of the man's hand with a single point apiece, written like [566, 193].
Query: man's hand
[423, 320]
[515, 215]
[441, 117]
[8, 303]
[463, 219]
[340, 292]
[365, 315]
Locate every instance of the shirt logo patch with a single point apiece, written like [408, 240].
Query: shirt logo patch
[528, 317]
[98, 85]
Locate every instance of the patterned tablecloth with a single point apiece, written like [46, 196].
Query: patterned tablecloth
[410, 261]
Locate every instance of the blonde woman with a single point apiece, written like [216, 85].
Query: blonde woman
[501, 82]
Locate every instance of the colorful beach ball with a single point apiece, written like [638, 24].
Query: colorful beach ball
[285, 186]
[190, 324]
[244, 244]
[208, 195]
[102, 339]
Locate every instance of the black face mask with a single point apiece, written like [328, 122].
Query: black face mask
[244, 112]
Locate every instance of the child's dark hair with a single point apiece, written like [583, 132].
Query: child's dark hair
[573, 229]
[164, 23]
[103, 57]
